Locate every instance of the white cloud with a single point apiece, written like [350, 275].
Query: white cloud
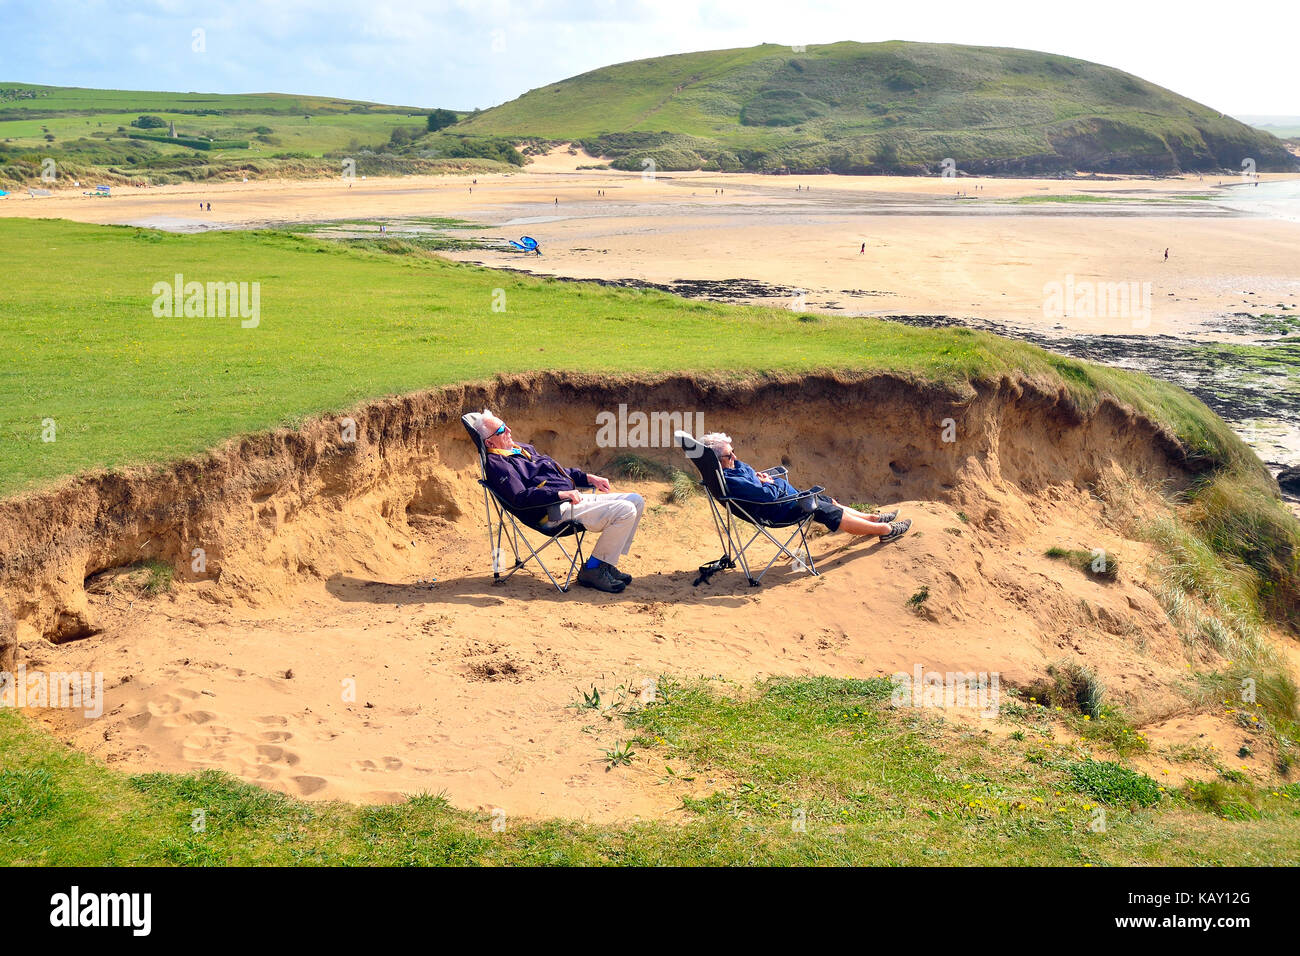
[439, 52]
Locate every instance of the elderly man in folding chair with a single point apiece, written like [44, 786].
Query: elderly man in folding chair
[746, 483]
[525, 477]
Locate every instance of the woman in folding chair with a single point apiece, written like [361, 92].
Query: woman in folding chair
[746, 483]
[525, 477]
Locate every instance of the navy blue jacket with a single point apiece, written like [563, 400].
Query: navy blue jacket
[525, 480]
[742, 482]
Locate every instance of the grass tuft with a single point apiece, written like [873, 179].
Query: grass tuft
[684, 488]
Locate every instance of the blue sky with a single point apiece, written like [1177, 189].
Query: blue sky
[477, 53]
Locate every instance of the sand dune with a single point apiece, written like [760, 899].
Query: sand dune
[349, 641]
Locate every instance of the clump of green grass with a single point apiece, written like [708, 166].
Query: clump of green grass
[638, 468]
[158, 577]
[590, 700]
[1112, 783]
[1071, 686]
[620, 755]
[1211, 598]
[1113, 729]
[27, 794]
[684, 487]
[1238, 516]
[1097, 564]
[1224, 798]
[917, 601]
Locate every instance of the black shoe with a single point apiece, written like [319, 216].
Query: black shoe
[616, 574]
[896, 530]
[600, 579]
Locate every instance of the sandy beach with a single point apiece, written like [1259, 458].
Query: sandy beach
[927, 250]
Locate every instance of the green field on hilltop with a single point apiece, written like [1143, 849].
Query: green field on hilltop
[875, 107]
[337, 325]
[89, 134]
[814, 771]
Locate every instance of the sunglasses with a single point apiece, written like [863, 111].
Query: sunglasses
[499, 431]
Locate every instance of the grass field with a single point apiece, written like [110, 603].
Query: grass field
[312, 124]
[337, 325]
[88, 131]
[823, 771]
[83, 348]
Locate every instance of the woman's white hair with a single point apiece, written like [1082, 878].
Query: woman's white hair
[717, 441]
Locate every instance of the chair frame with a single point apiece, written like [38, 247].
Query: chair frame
[507, 521]
[728, 511]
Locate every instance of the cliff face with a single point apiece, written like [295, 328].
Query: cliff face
[8, 639]
[252, 518]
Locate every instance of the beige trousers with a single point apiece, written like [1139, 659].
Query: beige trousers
[614, 516]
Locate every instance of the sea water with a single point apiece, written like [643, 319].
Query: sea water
[1275, 200]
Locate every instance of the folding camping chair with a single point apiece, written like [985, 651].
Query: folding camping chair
[546, 520]
[728, 512]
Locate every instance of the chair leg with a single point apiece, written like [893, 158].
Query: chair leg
[534, 555]
[800, 531]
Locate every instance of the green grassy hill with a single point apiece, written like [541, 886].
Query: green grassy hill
[89, 134]
[874, 107]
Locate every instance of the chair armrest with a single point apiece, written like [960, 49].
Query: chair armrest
[552, 508]
[803, 495]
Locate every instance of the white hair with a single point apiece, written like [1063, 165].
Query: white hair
[717, 441]
[479, 421]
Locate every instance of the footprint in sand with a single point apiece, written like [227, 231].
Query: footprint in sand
[273, 720]
[269, 753]
[309, 785]
[385, 763]
[168, 704]
[191, 718]
[275, 736]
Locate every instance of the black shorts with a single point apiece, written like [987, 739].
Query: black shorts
[828, 513]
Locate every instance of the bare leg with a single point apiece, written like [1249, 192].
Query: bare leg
[860, 523]
[856, 523]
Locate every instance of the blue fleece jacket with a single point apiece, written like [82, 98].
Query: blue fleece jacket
[742, 482]
[531, 478]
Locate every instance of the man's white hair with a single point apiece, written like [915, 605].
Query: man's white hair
[479, 421]
[717, 441]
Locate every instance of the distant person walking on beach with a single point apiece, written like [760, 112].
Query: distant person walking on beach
[863, 250]
[1166, 255]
